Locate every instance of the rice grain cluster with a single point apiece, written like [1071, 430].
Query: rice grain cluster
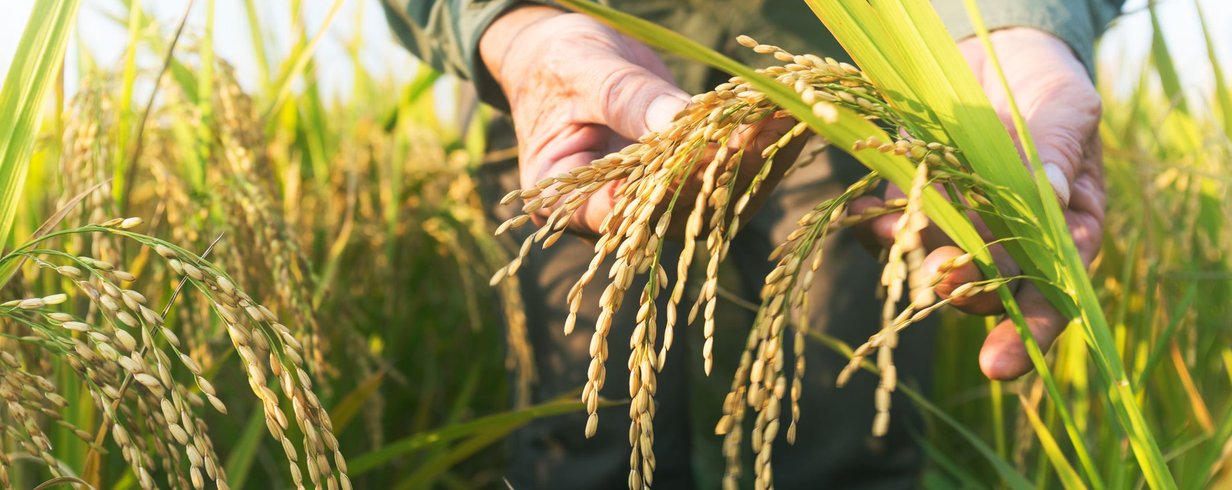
[706, 151]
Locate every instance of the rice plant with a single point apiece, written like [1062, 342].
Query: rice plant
[126, 358]
[332, 234]
[895, 118]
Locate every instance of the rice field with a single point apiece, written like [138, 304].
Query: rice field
[212, 284]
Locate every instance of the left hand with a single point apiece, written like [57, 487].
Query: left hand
[1062, 110]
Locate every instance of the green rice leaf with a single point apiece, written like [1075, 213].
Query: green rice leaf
[1164, 66]
[1223, 93]
[301, 55]
[244, 453]
[1065, 471]
[32, 73]
[502, 422]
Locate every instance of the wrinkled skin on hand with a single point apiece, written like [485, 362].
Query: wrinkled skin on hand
[1062, 111]
[579, 90]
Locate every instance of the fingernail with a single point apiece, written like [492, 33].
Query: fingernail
[662, 112]
[1060, 183]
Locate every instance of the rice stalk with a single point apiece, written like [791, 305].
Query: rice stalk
[127, 358]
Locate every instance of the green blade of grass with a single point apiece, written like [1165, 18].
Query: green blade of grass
[1004, 469]
[1217, 455]
[129, 80]
[953, 97]
[1051, 212]
[1223, 93]
[39, 57]
[244, 453]
[1161, 57]
[424, 476]
[345, 411]
[996, 395]
[1065, 471]
[301, 55]
[1165, 338]
[506, 421]
[257, 39]
[203, 124]
[943, 461]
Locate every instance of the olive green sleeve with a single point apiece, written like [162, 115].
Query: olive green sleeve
[1077, 22]
[445, 35]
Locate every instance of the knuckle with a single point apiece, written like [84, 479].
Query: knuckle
[614, 85]
[616, 80]
[1064, 144]
[1097, 102]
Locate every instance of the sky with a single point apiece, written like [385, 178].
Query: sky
[1128, 40]
[106, 38]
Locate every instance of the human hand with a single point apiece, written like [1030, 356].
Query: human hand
[1062, 111]
[578, 90]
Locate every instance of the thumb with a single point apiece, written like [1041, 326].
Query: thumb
[1058, 101]
[633, 100]
[1062, 111]
[1062, 134]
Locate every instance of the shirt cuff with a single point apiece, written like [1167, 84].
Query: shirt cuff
[1070, 20]
[477, 16]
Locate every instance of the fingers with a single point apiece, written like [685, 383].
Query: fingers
[955, 277]
[878, 233]
[1058, 101]
[1062, 115]
[1085, 216]
[762, 135]
[631, 98]
[958, 272]
[875, 234]
[1062, 134]
[754, 138]
[1004, 356]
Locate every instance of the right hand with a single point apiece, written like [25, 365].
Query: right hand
[1062, 110]
[578, 90]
